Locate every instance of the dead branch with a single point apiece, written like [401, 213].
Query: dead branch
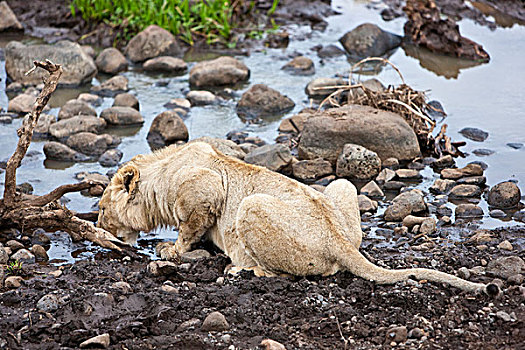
[45, 211]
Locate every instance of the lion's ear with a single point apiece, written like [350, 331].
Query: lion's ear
[129, 178]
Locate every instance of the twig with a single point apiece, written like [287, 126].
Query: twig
[60, 191]
[340, 331]
[50, 84]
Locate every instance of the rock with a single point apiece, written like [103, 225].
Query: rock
[294, 123]
[215, 322]
[79, 68]
[411, 221]
[404, 204]
[91, 99]
[473, 180]
[112, 86]
[166, 129]
[100, 341]
[24, 256]
[67, 127]
[201, 98]
[162, 268]
[73, 108]
[39, 252]
[181, 103]
[57, 151]
[260, 101]
[371, 189]
[48, 303]
[428, 226]
[279, 40]
[465, 191]
[504, 195]
[519, 215]
[111, 61]
[270, 344]
[483, 152]
[505, 245]
[384, 133]
[505, 267]
[85, 176]
[468, 170]
[442, 186]
[226, 147]
[516, 279]
[194, 255]
[443, 162]
[153, 41]
[89, 50]
[21, 104]
[14, 245]
[408, 174]
[5, 119]
[8, 20]
[391, 163]
[397, 334]
[274, 157]
[92, 144]
[309, 170]
[394, 185]
[468, 211]
[330, 51]
[4, 257]
[504, 316]
[221, 71]
[464, 273]
[300, 65]
[319, 88]
[123, 287]
[166, 64]
[357, 162]
[122, 116]
[385, 175]
[474, 134]
[368, 40]
[126, 100]
[497, 213]
[13, 282]
[190, 324]
[110, 158]
[515, 145]
[366, 204]
[416, 333]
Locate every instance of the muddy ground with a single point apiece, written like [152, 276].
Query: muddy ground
[302, 313]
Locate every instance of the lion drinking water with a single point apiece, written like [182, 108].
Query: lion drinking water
[262, 220]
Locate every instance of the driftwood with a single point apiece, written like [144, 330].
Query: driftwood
[31, 212]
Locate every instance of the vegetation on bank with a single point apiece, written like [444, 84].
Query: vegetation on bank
[212, 20]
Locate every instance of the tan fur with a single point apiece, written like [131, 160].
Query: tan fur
[262, 220]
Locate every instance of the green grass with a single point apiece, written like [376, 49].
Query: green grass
[209, 19]
[13, 268]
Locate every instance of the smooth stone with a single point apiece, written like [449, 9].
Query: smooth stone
[473, 180]
[194, 255]
[92, 144]
[13, 282]
[515, 145]
[181, 103]
[262, 101]
[74, 108]
[309, 170]
[464, 191]
[371, 189]
[468, 210]
[474, 134]
[215, 322]
[221, 71]
[330, 51]
[167, 128]
[274, 157]
[505, 245]
[385, 175]
[166, 64]
[153, 41]
[483, 152]
[368, 40]
[39, 252]
[122, 116]
[21, 104]
[394, 185]
[161, 268]
[504, 195]
[24, 256]
[91, 99]
[468, 170]
[497, 213]
[391, 163]
[201, 98]
[300, 65]
[112, 86]
[408, 174]
[126, 100]
[58, 151]
[8, 20]
[100, 341]
[110, 158]
[111, 61]
[320, 88]
[404, 204]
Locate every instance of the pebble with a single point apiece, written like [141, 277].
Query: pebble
[504, 195]
[465, 191]
[385, 175]
[4, 257]
[191, 323]
[215, 322]
[194, 255]
[515, 145]
[371, 189]
[505, 245]
[504, 316]
[474, 134]
[39, 252]
[160, 268]
[483, 152]
[123, 287]
[201, 98]
[468, 211]
[397, 334]
[391, 163]
[24, 256]
[48, 303]
[408, 174]
[13, 282]
[14, 245]
[504, 267]
[98, 341]
[166, 288]
[270, 344]
[464, 273]
[497, 213]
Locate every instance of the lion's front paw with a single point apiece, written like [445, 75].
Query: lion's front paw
[167, 251]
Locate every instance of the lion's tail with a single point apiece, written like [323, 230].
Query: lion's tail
[356, 263]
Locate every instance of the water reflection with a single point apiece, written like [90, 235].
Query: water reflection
[445, 66]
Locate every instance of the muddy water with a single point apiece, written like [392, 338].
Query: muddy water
[488, 96]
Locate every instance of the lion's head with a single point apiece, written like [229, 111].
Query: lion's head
[121, 210]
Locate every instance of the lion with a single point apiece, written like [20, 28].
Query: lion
[262, 220]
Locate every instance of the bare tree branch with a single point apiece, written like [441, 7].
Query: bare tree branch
[60, 191]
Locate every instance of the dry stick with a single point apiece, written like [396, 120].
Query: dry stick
[26, 131]
[60, 191]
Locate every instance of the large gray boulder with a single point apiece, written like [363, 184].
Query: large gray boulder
[261, 100]
[78, 67]
[8, 20]
[67, 127]
[152, 42]
[221, 71]
[368, 40]
[385, 133]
